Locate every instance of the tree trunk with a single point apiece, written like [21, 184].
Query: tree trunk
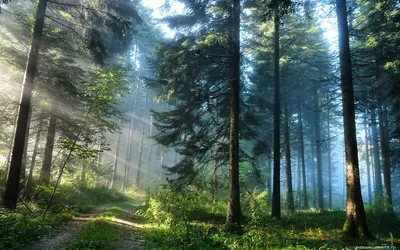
[385, 161]
[29, 182]
[318, 147]
[313, 170]
[48, 150]
[303, 162]
[276, 193]
[377, 161]
[115, 170]
[128, 157]
[329, 161]
[149, 157]
[367, 159]
[12, 185]
[298, 189]
[269, 178]
[25, 154]
[289, 186]
[141, 146]
[356, 223]
[234, 213]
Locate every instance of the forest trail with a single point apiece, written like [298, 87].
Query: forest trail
[120, 215]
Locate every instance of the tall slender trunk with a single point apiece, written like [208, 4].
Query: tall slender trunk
[329, 161]
[298, 189]
[312, 174]
[141, 146]
[12, 186]
[233, 212]
[149, 157]
[289, 186]
[29, 182]
[318, 147]
[276, 193]
[367, 158]
[48, 150]
[377, 161]
[385, 161]
[356, 224]
[131, 130]
[269, 178]
[98, 164]
[303, 162]
[25, 154]
[115, 169]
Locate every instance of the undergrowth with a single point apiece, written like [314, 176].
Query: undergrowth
[19, 229]
[96, 234]
[77, 199]
[187, 221]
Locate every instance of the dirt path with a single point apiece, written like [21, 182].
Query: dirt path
[127, 225]
[59, 237]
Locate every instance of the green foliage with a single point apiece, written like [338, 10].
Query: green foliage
[255, 207]
[301, 230]
[177, 208]
[18, 230]
[96, 234]
[77, 199]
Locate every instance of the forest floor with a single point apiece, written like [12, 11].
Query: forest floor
[111, 226]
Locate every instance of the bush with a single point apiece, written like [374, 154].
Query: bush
[254, 207]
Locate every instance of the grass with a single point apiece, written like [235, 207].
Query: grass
[19, 229]
[96, 234]
[302, 230]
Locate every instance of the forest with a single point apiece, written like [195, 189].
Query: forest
[199, 124]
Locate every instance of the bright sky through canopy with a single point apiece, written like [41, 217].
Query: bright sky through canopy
[153, 3]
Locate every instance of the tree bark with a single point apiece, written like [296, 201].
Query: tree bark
[329, 161]
[318, 147]
[234, 213]
[313, 170]
[29, 182]
[377, 160]
[276, 193]
[269, 178]
[25, 154]
[303, 162]
[385, 161]
[356, 224]
[298, 189]
[12, 186]
[131, 131]
[48, 150]
[115, 170]
[141, 146]
[367, 158]
[149, 157]
[289, 186]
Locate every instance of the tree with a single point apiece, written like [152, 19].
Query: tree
[12, 186]
[48, 150]
[233, 214]
[276, 193]
[356, 224]
[289, 188]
